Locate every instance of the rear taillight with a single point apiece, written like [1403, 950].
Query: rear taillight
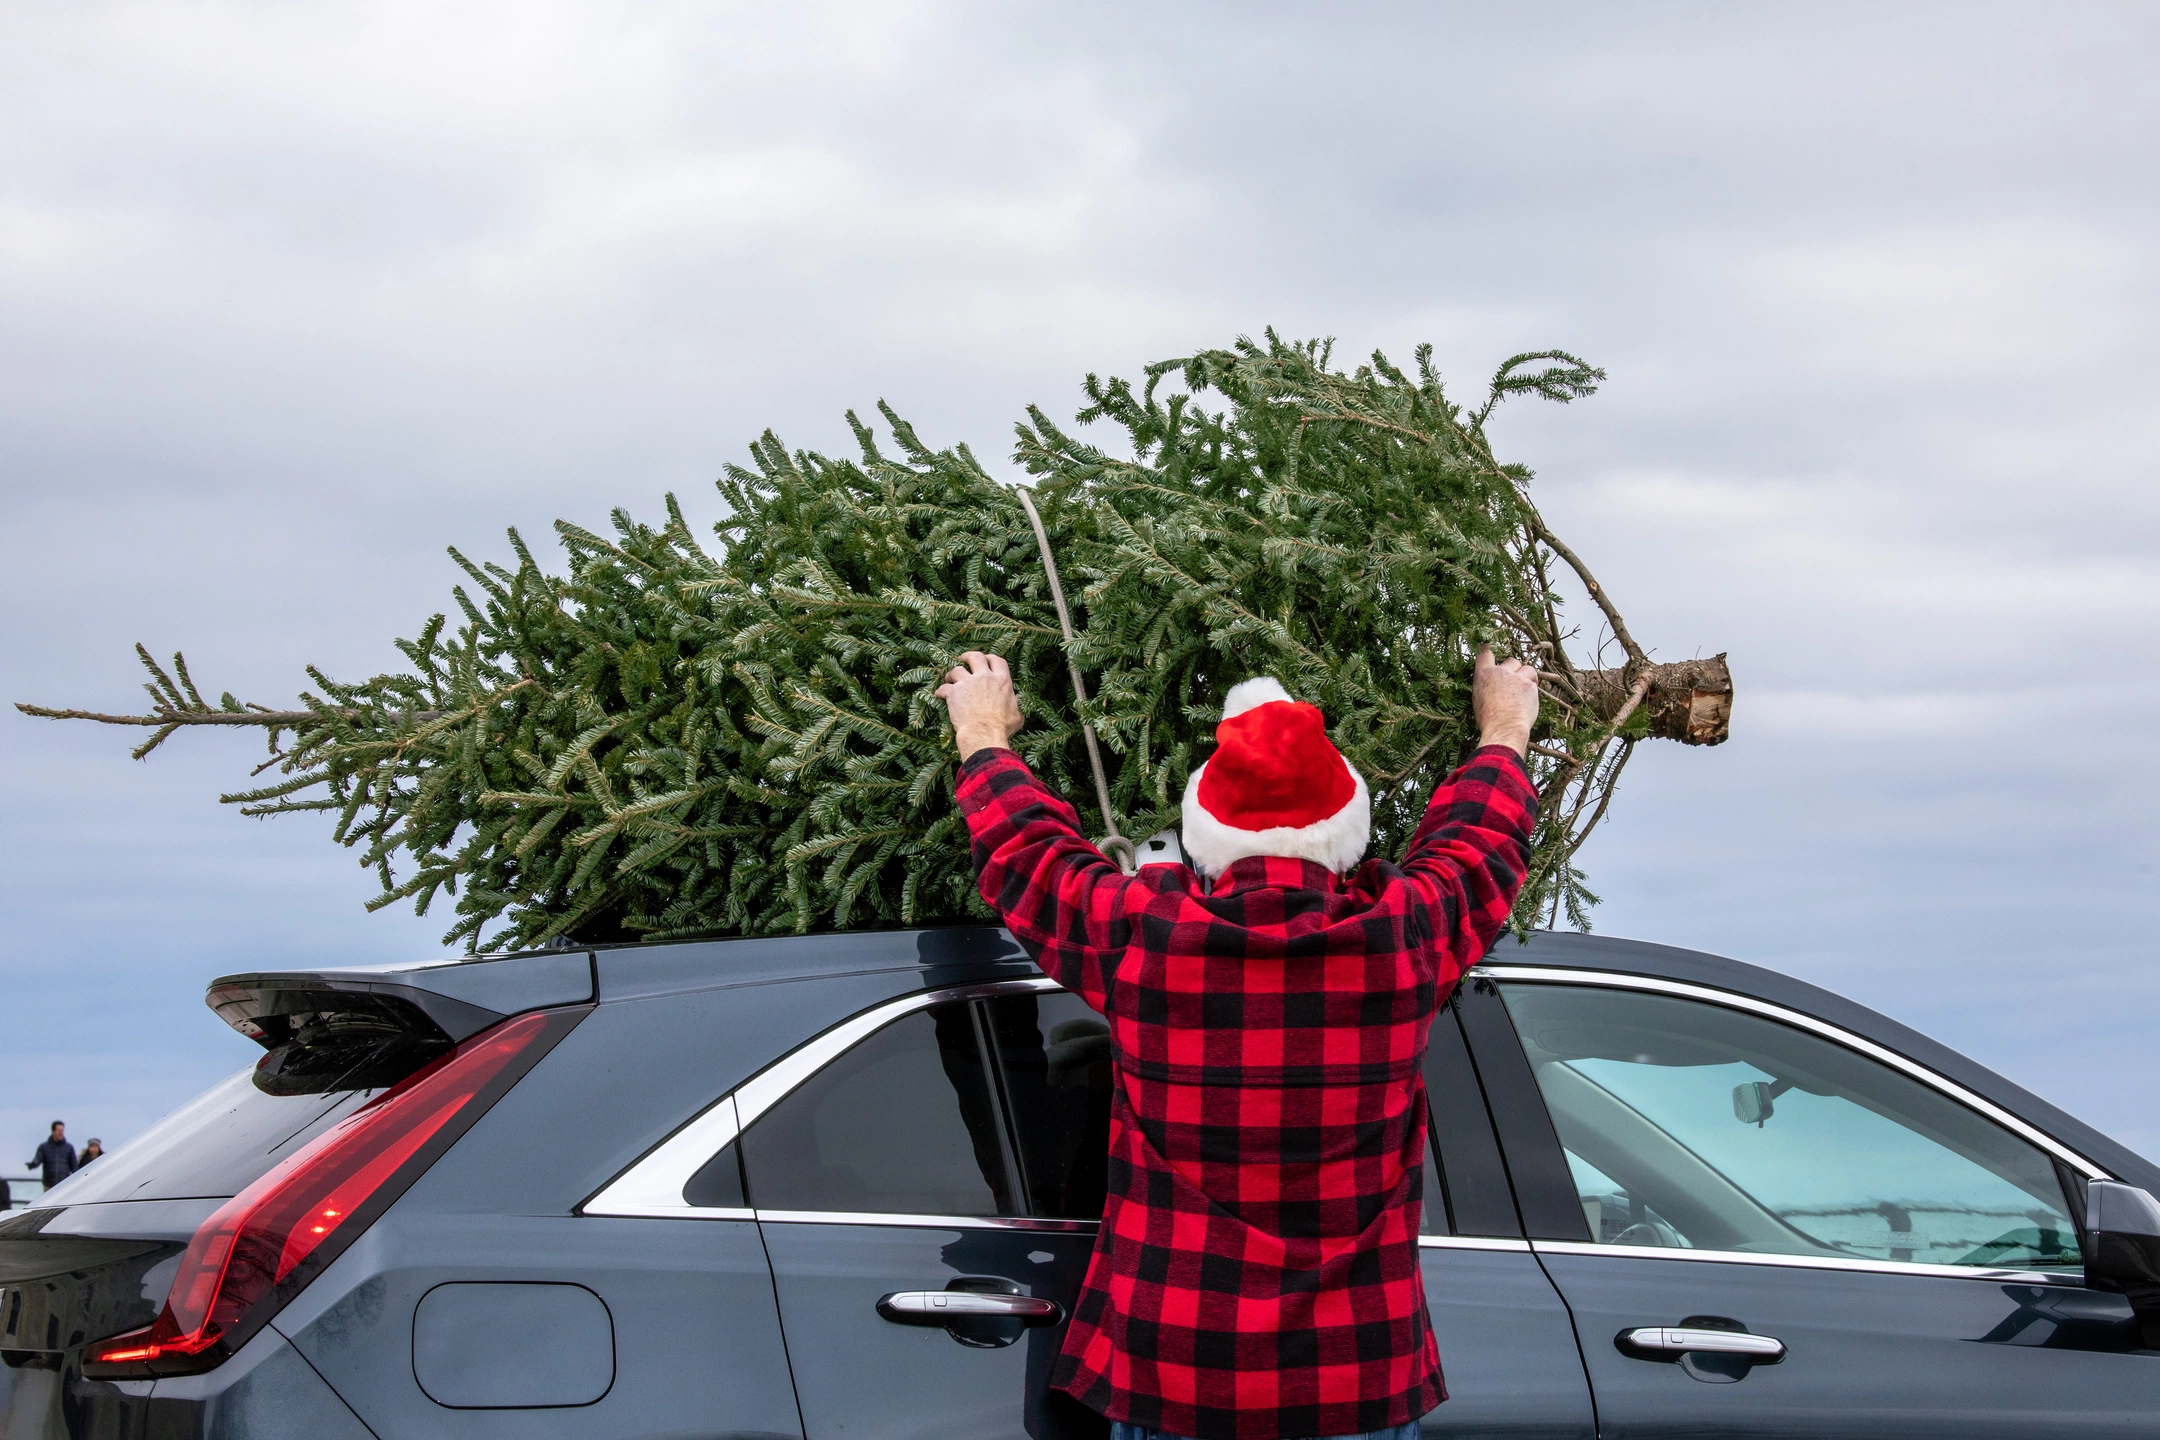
[265, 1244]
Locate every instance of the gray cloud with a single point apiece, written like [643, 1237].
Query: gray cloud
[292, 298]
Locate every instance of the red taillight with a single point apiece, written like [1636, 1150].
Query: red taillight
[263, 1245]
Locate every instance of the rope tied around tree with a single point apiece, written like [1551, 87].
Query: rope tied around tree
[1113, 844]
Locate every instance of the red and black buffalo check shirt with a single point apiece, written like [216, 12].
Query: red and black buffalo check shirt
[1256, 1276]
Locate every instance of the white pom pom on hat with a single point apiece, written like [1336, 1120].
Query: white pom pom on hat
[1276, 785]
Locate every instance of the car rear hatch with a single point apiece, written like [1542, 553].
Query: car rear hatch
[97, 1255]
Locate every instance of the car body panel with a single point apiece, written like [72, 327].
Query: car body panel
[859, 1374]
[265, 1389]
[1507, 1351]
[712, 1338]
[931, 958]
[1867, 1354]
[696, 1337]
[1871, 1347]
[630, 1074]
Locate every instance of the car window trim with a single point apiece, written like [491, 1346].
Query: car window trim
[652, 1186]
[1473, 1242]
[2072, 1278]
[917, 1222]
[1934, 1079]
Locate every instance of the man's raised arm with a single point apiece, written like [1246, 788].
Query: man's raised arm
[1057, 893]
[1471, 853]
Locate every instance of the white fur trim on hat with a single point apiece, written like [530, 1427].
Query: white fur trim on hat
[1251, 694]
[1338, 842]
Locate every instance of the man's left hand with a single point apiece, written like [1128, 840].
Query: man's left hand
[978, 695]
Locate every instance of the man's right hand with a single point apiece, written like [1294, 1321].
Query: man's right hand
[978, 695]
[1504, 698]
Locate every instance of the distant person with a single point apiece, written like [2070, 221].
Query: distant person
[7, 1201]
[56, 1157]
[90, 1152]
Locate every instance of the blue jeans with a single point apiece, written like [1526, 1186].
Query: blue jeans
[1119, 1430]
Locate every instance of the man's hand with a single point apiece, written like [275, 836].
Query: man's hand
[1504, 698]
[978, 695]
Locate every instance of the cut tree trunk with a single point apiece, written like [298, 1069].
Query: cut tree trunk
[1688, 700]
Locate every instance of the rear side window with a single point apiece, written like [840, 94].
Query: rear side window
[214, 1146]
[903, 1124]
[1053, 1056]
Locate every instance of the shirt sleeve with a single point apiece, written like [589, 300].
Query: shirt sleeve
[1061, 898]
[1471, 853]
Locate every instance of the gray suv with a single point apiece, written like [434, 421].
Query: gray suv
[845, 1185]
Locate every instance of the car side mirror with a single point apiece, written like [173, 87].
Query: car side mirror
[2122, 1225]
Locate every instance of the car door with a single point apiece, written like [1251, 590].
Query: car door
[919, 1293]
[1506, 1347]
[1766, 1226]
[1507, 1350]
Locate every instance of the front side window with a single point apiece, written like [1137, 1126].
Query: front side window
[1694, 1125]
[902, 1124]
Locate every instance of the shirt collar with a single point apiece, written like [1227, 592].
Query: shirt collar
[1273, 872]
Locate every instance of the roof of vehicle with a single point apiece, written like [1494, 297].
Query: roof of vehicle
[477, 990]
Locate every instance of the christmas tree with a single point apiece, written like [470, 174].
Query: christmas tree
[675, 738]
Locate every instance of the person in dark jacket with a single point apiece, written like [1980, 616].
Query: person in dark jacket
[56, 1157]
[90, 1152]
[1255, 1276]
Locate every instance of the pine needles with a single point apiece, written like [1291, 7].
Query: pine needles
[673, 738]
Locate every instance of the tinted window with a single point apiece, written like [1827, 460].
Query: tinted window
[215, 1145]
[1469, 1193]
[903, 1124]
[1694, 1125]
[1054, 1059]
[718, 1183]
[1435, 1217]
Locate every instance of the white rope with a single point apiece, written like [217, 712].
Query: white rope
[1112, 844]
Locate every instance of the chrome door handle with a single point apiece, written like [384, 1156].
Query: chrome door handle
[942, 1307]
[1680, 1340]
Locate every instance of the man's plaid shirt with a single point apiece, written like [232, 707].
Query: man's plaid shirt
[1256, 1276]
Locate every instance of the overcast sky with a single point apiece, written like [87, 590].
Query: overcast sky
[291, 297]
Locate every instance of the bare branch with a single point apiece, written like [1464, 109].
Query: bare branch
[1539, 529]
[270, 719]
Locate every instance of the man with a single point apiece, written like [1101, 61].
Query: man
[1255, 1276]
[55, 1155]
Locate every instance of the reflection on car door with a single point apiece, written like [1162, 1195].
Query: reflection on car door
[1762, 1230]
[893, 1196]
[1506, 1349]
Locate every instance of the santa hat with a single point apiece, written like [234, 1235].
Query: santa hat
[1276, 785]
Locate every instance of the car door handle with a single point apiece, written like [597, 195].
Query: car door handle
[942, 1307]
[1680, 1340]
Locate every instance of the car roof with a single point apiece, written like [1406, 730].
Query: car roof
[506, 984]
